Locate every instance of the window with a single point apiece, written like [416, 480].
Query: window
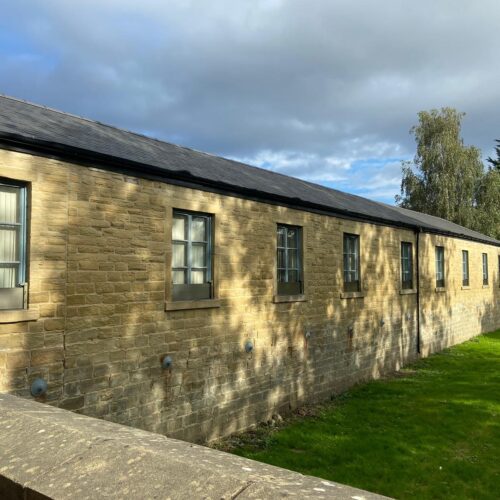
[465, 268]
[440, 267]
[351, 263]
[289, 260]
[191, 256]
[12, 246]
[406, 265]
[485, 268]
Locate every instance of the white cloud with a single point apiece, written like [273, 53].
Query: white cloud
[324, 90]
[307, 166]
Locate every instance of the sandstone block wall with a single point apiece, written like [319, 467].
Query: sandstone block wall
[450, 316]
[100, 299]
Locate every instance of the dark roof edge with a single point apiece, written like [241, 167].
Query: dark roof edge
[90, 158]
[459, 236]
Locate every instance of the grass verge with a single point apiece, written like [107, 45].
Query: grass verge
[431, 432]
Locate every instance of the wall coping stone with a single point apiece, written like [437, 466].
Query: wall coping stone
[183, 305]
[18, 315]
[283, 299]
[49, 452]
[352, 295]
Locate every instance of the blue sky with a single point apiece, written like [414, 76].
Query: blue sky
[326, 91]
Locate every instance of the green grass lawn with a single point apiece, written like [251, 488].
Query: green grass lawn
[432, 432]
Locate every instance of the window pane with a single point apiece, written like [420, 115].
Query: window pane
[288, 257]
[406, 264]
[198, 277]
[179, 227]
[346, 244]
[352, 262]
[281, 236]
[465, 265]
[199, 229]
[8, 244]
[351, 258]
[352, 245]
[407, 251]
[179, 277]
[440, 264]
[9, 204]
[198, 255]
[293, 259]
[179, 255]
[193, 254]
[292, 238]
[281, 259]
[8, 276]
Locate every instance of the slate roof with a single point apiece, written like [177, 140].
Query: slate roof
[39, 128]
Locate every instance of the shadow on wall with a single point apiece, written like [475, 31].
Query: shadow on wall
[33, 349]
[113, 330]
[348, 342]
[91, 343]
[456, 314]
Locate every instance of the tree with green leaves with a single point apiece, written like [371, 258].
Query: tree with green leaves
[444, 176]
[495, 163]
[488, 204]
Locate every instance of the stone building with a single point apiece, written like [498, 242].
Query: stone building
[191, 295]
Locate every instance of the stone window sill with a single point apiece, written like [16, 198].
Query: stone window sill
[408, 291]
[352, 295]
[283, 299]
[486, 286]
[440, 289]
[185, 305]
[465, 287]
[18, 316]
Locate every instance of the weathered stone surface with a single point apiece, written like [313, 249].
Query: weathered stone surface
[58, 454]
[100, 279]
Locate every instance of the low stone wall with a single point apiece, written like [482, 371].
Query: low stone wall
[48, 452]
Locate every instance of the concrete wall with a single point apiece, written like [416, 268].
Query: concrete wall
[101, 317]
[97, 459]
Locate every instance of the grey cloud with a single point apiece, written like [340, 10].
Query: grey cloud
[312, 81]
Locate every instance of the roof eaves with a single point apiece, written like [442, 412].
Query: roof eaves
[85, 157]
[88, 157]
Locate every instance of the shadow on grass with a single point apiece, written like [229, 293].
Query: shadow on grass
[431, 432]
